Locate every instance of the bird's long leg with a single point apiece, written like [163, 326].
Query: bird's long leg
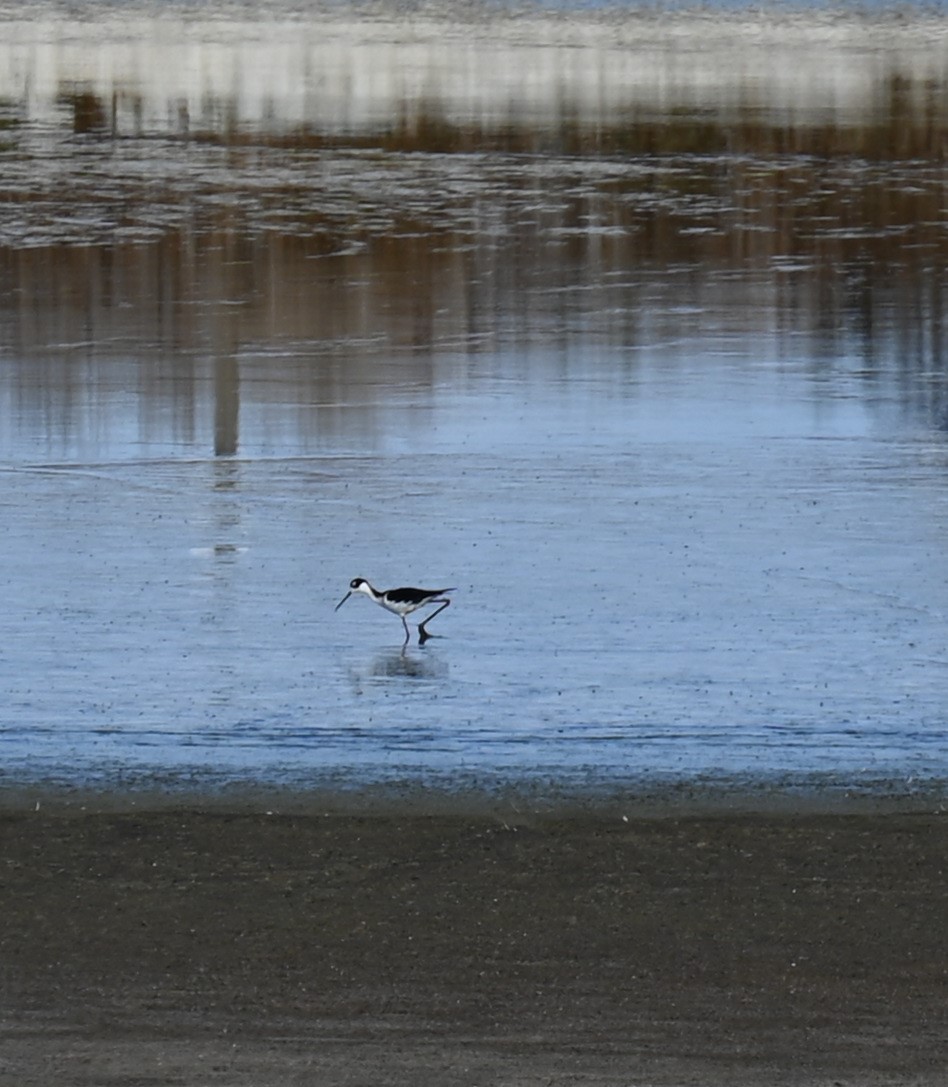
[407, 633]
[423, 634]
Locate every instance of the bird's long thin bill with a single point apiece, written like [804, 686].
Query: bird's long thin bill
[342, 601]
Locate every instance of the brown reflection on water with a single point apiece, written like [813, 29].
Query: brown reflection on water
[204, 253]
[334, 335]
[909, 121]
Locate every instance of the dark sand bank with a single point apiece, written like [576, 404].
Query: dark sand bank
[182, 946]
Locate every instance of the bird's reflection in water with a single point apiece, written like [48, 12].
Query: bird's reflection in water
[399, 663]
[396, 665]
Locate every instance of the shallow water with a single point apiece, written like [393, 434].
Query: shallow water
[654, 375]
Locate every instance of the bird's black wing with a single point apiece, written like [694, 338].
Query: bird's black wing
[414, 596]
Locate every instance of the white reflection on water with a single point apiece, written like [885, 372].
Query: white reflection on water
[673, 419]
[336, 70]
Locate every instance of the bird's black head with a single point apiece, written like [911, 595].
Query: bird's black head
[356, 582]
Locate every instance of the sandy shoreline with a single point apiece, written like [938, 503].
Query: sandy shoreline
[177, 945]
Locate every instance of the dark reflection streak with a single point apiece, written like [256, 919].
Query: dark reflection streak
[937, 327]
[226, 406]
[226, 266]
[88, 111]
[221, 611]
[864, 318]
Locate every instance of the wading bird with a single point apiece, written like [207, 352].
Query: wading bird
[402, 602]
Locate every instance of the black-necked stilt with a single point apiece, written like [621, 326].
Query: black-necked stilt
[402, 602]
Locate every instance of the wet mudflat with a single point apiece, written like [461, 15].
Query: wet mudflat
[237, 948]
